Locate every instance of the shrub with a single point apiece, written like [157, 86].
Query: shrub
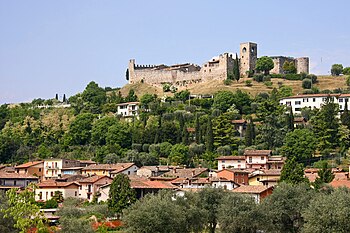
[348, 80]
[268, 83]
[258, 77]
[145, 148]
[248, 83]
[307, 83]
[250, 73]
[276, 76]
[166, 87]
[267, 78]
[293, 77]
[227, 82]
[51, 204]
[137, 147]
[312, 77]
[346, 71]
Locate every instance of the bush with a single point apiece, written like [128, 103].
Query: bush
[51, 204]
[307, 83]
[250, 73]
[166, 87]
[268, 83]
[248, 83]
[137, 147]
[348, 80]
[145, 148]
[227, 82]
[293, 77]
[276, 76]
[258, 77]
[267, 78]
[312, 77]
[346, 71]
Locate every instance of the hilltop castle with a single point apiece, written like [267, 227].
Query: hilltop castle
[215, 69]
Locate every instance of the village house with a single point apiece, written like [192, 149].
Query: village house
[186, 172]
[53, 167]
[240, 126]
[299, 122]
[16, 180]
[46, 190]
[110, 169]
[90, 185]
[198, 183]
[142, 186]
[231, 162]
[239, 176]
[72, 170]
[35, 168]
[313, 101]
[129, 109]
[257, 158]
[266, 178]
[257, 192]
[150, 171]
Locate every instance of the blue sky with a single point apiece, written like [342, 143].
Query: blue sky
[49, 47]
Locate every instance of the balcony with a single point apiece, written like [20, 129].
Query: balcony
[52, 168]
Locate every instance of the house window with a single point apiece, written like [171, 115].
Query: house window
[39, 169]
[258, 179]
[51, 194]
[238, 161]
[223, 161]
[341, 100]
[297, 109]
[262, 158]
[297, 102]
[305, 100]
[14, 183]
[340, 106]
[250, 159]
[75, 193]
[314, 99]
[41, 195]
[128, 172]
[288, 103]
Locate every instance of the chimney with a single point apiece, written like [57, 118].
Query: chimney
[193, 172]
[174, 170]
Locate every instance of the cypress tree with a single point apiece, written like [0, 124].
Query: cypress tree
[236, 72]
[184, 136]
[250, 133]
[197, 129]
[121, 195]
[209, 140]
[64, 98]
[325, 175]
[290, 119]
[56, 97]
[345, 117]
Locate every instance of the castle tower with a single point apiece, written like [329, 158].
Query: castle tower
[248, 54]
[302, 65]
[131, 71]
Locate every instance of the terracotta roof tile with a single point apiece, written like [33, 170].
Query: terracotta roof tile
[257, 152]
[92, 179]
[231, 158]
[251, 189]
[55, 184]
[185, 172]
[115, 168]
[10, 175]
[29, 164]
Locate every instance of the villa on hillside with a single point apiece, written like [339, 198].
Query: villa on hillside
[258, 159]
[312, 101]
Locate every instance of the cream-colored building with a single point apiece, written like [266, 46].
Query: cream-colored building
[110, 169]
[46, 190]
[53, 167]
[90, 185]
[266, 178]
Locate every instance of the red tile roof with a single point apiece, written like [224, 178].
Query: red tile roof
[150, 184]
[7, 175]
[340, 183]
[54, 184]
[242, 121]
[231, 158]
[115, 168]
[93, 179]
[256, 189]
[257, 152]
[185, 172]
[316, 95]
[29, 164]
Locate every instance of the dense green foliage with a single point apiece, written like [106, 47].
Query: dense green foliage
[337, 69]
[264, 64]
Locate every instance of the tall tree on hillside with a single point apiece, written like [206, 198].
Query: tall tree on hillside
[325, 175]
[326, 124]
[250, 133]
[131, 97]
[209, 138]
[121, 195]
[197, 129]
[345, 117]
[56, 97]
[264, 64]
[64, 98]
[293, 172]
[290, 119]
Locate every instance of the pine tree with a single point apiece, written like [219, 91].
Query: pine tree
[345, 117]
[56, 97]
[209, 140]
[121, 195]
[293, 172]
[184, 136]
[64, 98]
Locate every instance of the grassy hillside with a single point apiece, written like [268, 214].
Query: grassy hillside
[211, 87]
